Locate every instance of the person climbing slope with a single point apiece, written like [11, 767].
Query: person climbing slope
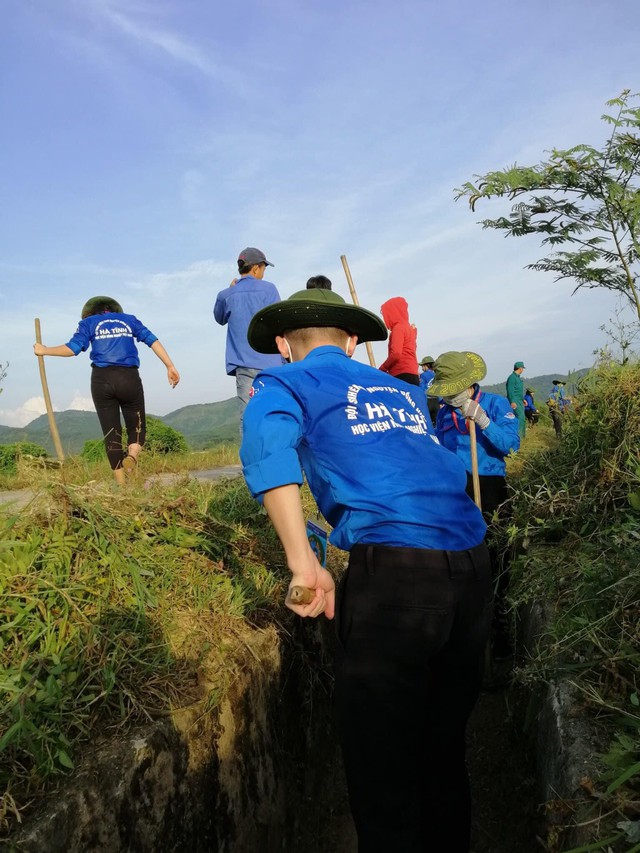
[115, 381]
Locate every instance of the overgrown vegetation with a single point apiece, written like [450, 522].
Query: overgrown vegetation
[34, 473]
[160, 439]
[576, 528]
[110, 606]
[12, 454]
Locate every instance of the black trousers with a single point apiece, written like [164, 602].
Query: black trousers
[114, 389]
[433, 404]
[412, 626]
[411, 378]
[493, 494]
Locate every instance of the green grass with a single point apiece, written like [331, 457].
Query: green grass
[33, 473]
[576, 531]
[109, 603]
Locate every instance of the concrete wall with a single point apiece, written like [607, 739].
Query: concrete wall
[236, 778]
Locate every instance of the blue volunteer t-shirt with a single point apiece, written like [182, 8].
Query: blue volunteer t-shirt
[112, 339]
[426, 378]
[493, 443]
[366, 445]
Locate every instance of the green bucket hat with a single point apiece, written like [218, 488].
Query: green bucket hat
[428, 359]
[456, 371]
[308, 308]
[99, 305]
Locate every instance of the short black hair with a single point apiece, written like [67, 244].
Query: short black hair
[319, 281]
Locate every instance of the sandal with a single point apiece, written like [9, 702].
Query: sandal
[129, 463]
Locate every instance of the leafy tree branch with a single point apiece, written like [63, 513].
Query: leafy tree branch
[583, 202]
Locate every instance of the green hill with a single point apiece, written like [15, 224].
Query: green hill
[202, 425]
[207, 423]
[541, 385]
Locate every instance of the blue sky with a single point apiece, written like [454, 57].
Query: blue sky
[146, 142]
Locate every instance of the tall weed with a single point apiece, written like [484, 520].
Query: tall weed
[576, 530]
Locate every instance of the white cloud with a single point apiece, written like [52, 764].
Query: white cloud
[24, 414]
[81, 403]
[135, 22]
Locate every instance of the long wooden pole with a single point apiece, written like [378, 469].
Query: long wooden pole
[354, 297]
[55, 435]
[474, 463]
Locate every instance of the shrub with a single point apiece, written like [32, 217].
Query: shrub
[11, 453]
[160, 439]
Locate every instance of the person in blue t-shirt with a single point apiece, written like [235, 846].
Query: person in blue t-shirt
[115, 382]
[234, 308]
[530, 411]
[414, 605]
[457, 375]
[426, 378]
[558, 403]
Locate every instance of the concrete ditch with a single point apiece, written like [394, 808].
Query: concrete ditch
[566, 746]
[235, 778]
[261, 772]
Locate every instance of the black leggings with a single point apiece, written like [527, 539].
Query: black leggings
[114, 389]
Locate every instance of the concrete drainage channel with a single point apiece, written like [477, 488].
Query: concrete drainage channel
[251, 775]
[261, 772]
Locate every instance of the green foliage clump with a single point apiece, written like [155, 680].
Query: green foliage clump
[93, 450]
[161, 439]
[109, 608]
[10, 454]
[576, 527]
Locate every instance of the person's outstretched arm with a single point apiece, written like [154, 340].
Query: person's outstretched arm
[172, 374]
[284, 508]
[63, 350]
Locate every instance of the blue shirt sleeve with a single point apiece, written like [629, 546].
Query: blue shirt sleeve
[220, 310]
[271, 433]
[81, 339]
[502, 431]
[144, 335]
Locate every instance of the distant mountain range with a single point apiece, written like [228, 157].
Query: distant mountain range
[202, 425]
[541, 385]
[206, 424]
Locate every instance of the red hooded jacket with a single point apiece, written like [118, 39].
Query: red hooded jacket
[403, 338]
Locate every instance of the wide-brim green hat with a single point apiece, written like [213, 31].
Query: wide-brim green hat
[456, 371]
[100, 304]
[428, 359]
[312, 308]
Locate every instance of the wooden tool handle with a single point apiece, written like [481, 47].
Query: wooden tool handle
[474, 463]
[301, 595]
[55, 435]
[354, 297]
